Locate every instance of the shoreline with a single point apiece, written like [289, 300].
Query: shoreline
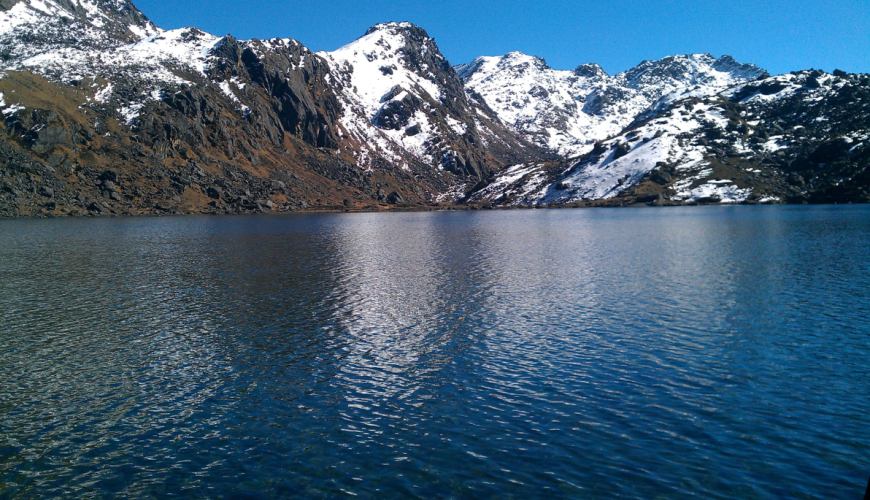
[410, 208]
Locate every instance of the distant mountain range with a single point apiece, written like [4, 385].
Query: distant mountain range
[105, 113]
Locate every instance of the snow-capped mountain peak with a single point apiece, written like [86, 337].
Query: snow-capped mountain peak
[515, 62]
[567, 111]
[590, 70]
[113, 18]
[544, 104]
[691, 69]
[392, 26]
[380, 61]
[404, 101]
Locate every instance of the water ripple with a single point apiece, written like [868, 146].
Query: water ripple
[693, 352]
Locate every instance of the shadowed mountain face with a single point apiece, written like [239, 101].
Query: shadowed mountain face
[104, 113]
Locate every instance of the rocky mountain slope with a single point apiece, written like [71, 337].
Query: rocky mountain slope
[395, 78]
[105, 113]
[128, 119]
[795, 138]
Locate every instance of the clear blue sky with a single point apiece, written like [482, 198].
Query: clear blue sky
[779, 35]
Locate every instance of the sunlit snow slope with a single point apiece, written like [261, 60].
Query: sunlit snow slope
[569, 110]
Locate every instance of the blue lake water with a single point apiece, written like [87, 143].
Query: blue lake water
[697, 352]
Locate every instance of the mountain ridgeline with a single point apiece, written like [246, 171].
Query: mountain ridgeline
[106, 114]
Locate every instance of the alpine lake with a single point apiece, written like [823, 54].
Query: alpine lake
[694, 352]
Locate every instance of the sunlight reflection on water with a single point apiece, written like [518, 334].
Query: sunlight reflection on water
[674, 353]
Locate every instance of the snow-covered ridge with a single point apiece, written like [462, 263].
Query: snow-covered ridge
[75, 38]
[728, 147]
[117, 15]
[570, 110]
[620, 163]
[150, 57]
[389, 26]
[188, 47]
[136, 63]
[109, 39]
[543, 103]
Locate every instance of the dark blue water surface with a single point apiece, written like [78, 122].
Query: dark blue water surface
[659, 353]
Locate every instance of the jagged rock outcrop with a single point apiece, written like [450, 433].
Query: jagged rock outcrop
[290, 77]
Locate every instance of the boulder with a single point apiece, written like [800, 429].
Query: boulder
[98, 208]
[649, 198]
[109, 175]
[661, 177]
[395, 113]
[598, 148]
[812, 83]
[395, 198]
[770, 88]
[621, 150]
